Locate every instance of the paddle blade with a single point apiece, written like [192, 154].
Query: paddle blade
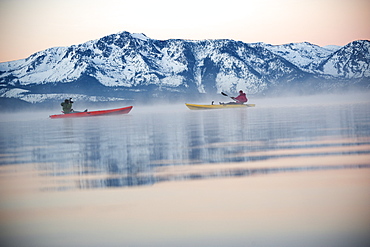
[224, 94]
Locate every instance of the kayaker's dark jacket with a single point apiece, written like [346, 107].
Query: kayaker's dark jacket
[67, 106]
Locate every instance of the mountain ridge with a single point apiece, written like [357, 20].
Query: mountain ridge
[125, 66]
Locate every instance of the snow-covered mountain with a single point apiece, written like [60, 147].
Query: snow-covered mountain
[126, 66]
[304, 55]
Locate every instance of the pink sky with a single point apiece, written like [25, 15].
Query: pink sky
[29, 26]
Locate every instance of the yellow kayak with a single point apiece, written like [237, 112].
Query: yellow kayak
[204, 107]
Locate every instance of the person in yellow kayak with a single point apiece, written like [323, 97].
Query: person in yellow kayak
[67, 106]
[240, 99]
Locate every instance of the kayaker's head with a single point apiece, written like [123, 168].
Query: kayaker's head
[66, 101]
[241, 91]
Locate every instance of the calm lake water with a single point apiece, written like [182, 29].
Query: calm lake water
[168, 145]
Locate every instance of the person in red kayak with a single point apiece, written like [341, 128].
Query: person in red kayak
[67, 106]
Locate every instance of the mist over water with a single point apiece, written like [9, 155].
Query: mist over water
[165, 142]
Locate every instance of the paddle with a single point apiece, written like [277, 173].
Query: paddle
[224, 94]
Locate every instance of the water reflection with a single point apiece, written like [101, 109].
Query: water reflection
[130, 150]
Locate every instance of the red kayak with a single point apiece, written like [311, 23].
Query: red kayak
[117, 111]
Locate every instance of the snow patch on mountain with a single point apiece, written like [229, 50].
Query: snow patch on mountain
[140, 36]
[332, 48]
[173, 81]
[302, 54]
[352, 61]
[12, 93]
[39, 98]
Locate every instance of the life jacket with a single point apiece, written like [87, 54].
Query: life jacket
[241, 98]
